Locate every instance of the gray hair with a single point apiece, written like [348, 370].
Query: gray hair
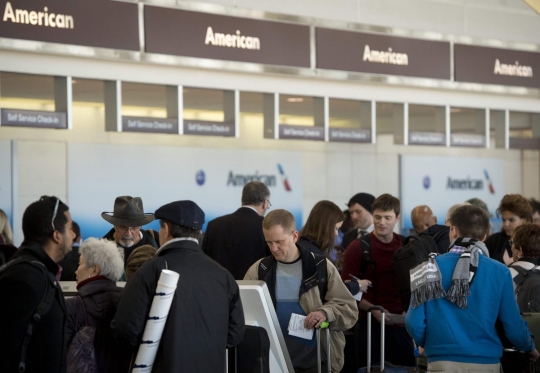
[106, 255]
[454, 208]
[254, 193]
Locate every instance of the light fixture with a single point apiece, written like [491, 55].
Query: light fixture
[295, 99]
[535, 4]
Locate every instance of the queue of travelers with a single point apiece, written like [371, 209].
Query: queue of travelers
[316, 272]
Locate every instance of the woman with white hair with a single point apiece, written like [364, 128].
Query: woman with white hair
[101, 264]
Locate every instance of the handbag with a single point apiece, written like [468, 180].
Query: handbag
[81, 356]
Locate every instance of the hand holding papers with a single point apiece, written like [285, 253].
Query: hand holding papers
[296, 327]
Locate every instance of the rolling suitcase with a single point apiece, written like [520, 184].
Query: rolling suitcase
[253, 354]
[324, 325]
[384, 367]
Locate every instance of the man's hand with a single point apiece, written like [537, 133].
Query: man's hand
[364, 284]
[534, 354]
[314, 320]
[378, 316]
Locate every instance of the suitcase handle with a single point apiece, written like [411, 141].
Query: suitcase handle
[324, 325]
[375, 308]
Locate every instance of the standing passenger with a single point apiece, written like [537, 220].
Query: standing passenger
[360, 209]
[236, 241]
[206, 314]
[101, 265]
[374, 263]
[293, 275]
[48, 237]
[128, 218]
[514, 210]
[454, 321]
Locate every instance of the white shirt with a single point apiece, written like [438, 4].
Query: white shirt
[368, 230]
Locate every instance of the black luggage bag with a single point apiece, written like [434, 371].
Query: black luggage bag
[253, 354]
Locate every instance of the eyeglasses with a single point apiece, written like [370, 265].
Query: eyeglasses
[511, 242]
[269, 204]
[125, 229]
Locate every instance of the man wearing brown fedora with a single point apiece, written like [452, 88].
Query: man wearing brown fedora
[128, 218]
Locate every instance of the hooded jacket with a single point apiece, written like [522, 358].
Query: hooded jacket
[340, 306]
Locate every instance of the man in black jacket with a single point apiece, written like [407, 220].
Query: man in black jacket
[206, 315]
[128, 218]
[236, 241]
[31, 274]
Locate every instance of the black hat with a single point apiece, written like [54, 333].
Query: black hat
[184, 213]
[128, 211]
[363, 199]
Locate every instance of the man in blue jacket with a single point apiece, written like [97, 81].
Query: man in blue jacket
[458, 297]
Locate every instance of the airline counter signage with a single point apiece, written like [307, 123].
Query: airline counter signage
[149, 125]
[381, 54]
[427, 138]
[202, 35]
[32, 118]
[468, 140]
[496, 66]
[349, 135]
[209, 128]
[301, 132]
[96, 23]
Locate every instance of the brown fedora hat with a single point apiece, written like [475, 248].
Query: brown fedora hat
[129, 212]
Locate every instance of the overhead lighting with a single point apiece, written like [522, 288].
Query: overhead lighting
[295, 99]
[535, 4]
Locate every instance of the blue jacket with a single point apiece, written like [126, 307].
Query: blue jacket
[449, 333]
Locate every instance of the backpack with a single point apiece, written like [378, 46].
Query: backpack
[528, 289]
[415, 250]
[43, 306]
[322, 273]
[81, 356]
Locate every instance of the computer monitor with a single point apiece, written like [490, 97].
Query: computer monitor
[259, 311]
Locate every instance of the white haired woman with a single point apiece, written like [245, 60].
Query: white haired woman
[101, 264]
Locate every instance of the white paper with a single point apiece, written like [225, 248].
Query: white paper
[296, 327]
[156, 321]
[358, 296]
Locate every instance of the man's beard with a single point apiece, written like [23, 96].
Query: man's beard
[126, 241]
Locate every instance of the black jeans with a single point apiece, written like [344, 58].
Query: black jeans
[399, 346]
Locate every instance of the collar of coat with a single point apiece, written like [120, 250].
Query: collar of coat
[309, 273]
[34, 249]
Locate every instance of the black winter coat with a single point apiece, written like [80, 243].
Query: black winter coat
[206, 314]
[100, 297]
[21, 289]
[236, 241]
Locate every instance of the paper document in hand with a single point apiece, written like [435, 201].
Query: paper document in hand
[358, 296]
[296, 327]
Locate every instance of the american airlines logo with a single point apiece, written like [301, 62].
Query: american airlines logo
[270, 180]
